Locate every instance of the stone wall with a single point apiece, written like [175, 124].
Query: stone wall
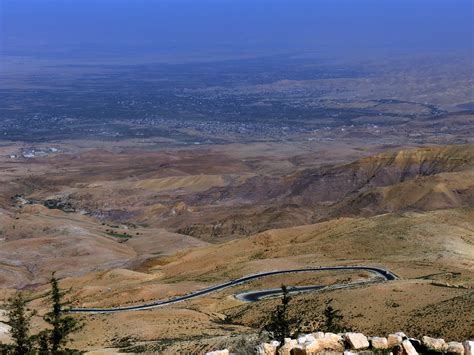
[357, 343]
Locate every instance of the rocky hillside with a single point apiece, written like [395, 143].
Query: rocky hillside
[415, 179]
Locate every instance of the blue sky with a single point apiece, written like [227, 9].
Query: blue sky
[101, 28]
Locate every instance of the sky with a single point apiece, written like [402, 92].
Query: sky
[79, 29]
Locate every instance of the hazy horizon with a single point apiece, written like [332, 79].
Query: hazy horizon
[109, 29]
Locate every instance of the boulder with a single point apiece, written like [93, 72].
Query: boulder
[468, 347]
[401, 334]
[419, 347]
[332, 341]
[408, 348]
[287, 346]
[331, 344]
[318, 335]
[4, 332]
[306, 339]
[267, 348]
[219, 352]
[378, 343]
[454, 347]
[314, 347]
[298, 350]
[356, 341]
[434, 344]
[405, 348]
[317, 342]
[309, 343]
[394, 340]
[336, 337]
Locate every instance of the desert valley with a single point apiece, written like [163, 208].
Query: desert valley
[123, 226]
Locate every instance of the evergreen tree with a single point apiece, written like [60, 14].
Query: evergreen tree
[19, 320]
[62, 324]
[43, 342]
[280, 325]
[333, 319]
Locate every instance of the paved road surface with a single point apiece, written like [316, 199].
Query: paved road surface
[386, 274]
[254, 296]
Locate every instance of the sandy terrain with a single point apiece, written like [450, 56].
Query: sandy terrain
[129, 226]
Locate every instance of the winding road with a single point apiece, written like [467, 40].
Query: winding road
[384, 273]
[254, 296]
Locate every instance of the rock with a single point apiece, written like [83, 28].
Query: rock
[287, 346]
[408, 348]
[454, 347]
[298, 350]
[318, 335]
[319, 341]
[219, 352]
[394, 340]
[402, 335]
[306, 339]
[405, 348]
[434, 344]
[378, 343]
[356, 341]
[417, 345]
[332, 341]
[331, 344]
[267, 348]
[468, 347]
[314, 347]
[336, 337]
[4, 331]
[309, 344]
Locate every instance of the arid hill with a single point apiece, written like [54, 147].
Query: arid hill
[432, 253]
[113, 205]
[107, 222]
[416, 179]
